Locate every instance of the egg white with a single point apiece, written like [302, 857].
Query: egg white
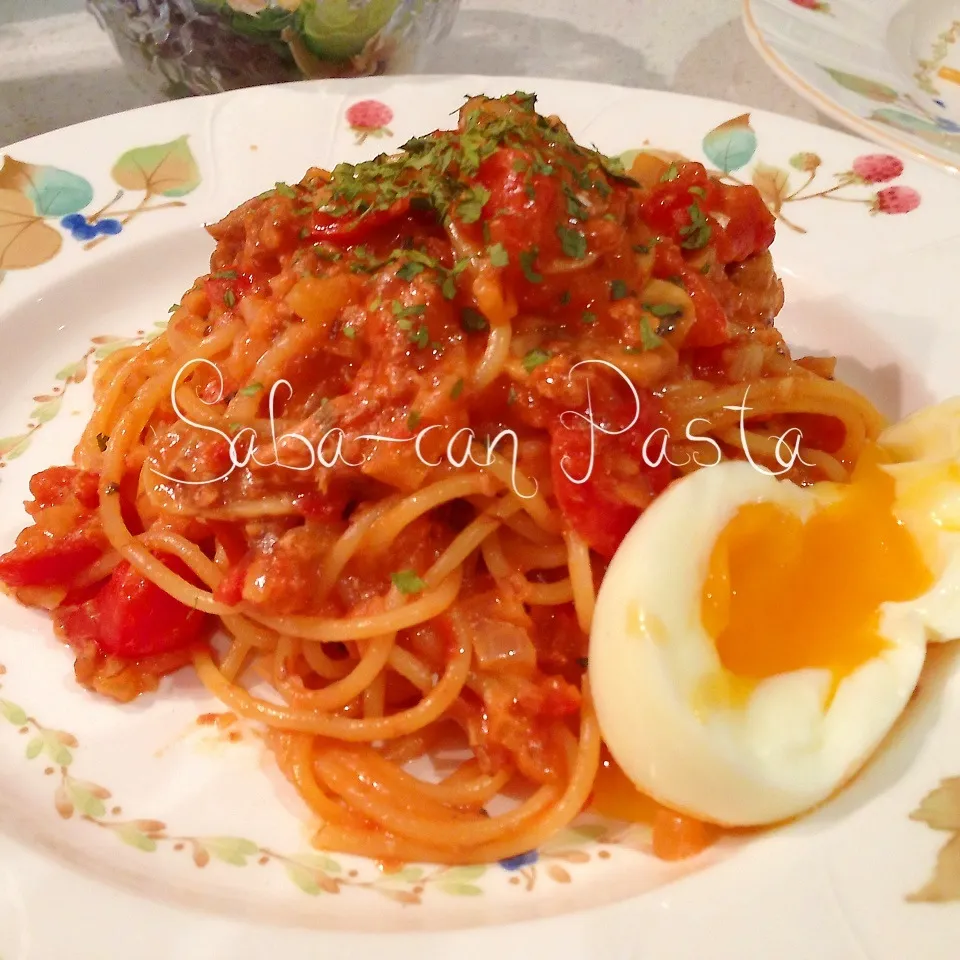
[782, 751]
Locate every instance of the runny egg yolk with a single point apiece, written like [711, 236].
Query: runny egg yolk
[784, 595]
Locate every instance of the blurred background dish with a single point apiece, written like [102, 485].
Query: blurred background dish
[889, 70]
[175, 48]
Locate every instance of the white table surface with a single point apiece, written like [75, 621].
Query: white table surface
[57, 67]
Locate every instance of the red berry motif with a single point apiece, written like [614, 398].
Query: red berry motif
[369, 118]
[877, 167]
[812, 5]
[896, 200]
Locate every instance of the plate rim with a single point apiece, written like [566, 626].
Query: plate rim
[829, 106]
[414, 942]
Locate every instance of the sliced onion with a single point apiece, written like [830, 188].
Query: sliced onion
[502, 647]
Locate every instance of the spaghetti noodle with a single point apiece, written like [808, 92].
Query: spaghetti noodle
[404, 595]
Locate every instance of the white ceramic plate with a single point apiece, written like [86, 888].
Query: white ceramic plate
[889, 69]
[129, 832]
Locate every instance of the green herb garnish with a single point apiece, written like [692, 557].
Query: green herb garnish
[410, 269]
[498, 255]
[573, 242]
[534, 359]
[527, 260]
[407, 581]
[648, 337]
[697, 233]
[472, 320]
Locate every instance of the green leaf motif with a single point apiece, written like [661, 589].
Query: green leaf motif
[133, 837]
[940, 808]
[162, 168]
[233, 850]
[460, 889]
[52, 191]
[53, 747]
[464, 874]
[84, 799]
[71, 370]
[34, 748]
[304, 878]
[13, 713]
[13, 447]
[871, 89]
[319, 861]
[731, 145]
[45, 412]
[105, 349]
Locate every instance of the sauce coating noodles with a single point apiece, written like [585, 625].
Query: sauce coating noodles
[404, 595]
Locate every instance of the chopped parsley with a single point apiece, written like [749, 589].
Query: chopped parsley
[575, 209]
[583, 662]
[407, 581]
[174, 308]
[413, 419]
[225, 275]
[511, 396]
[410, 269]
[588, 317]
[498, 255]
[414, 310]
[697, 233]
[470, 207]
[302, 211]
[229, 298]
[326, 253]
[619, 289]
[250, 390]
[437, 172]
[573, 242]
[668, 311]
[535, 358]
[648, 336]
[102, 441]
[420, 335]
[349, 332]
[698, 192]
[457, 389]
[305, 232]
[565, 298]
[528, 260]
[449, 287]
[671, 173]
[706, 268]
[284, 189]
[472, 320]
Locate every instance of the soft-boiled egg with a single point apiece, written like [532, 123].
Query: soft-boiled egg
[754, 641]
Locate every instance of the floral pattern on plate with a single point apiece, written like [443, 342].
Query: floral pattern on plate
[314, 872]
[846, 62]
[732, 146]
[33, 197]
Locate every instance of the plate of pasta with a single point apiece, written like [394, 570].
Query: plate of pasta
[492, 514]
